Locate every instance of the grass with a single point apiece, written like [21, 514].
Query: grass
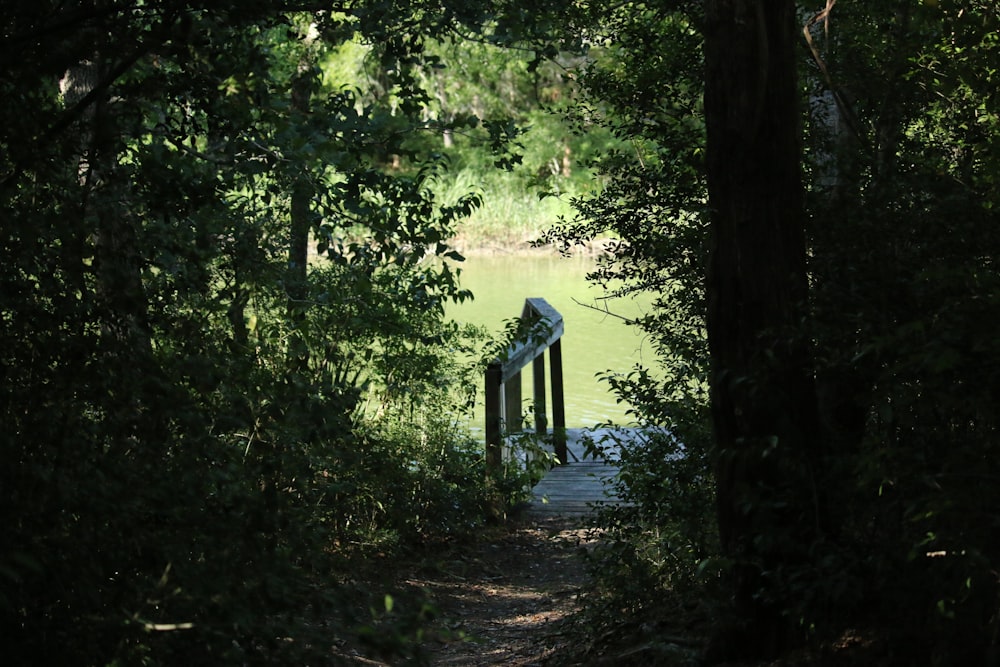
[511, 216]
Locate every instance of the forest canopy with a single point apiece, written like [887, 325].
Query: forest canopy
[231, 229]
[226, 363]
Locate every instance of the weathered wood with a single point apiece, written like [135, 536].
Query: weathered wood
[558, 401]
[542, 309]
[538, 377]
[512, 403]
[578, 483]
[575, 488]
[521, 354]
[503, 382]
[493, 408]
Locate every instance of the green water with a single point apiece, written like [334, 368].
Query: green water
[593, 343]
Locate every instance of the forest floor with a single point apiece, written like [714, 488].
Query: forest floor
[511, 598]
[512, 595]
[506, 599]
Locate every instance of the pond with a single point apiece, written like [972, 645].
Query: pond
[593, 343]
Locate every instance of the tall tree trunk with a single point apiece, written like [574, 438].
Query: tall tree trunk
[120, 292]
[297, 272]
[300, 213]
[763, 396]
[843, 388]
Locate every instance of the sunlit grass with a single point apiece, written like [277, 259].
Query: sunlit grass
[512, 213]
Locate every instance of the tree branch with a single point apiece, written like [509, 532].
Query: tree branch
[605, 311]
[838, 96]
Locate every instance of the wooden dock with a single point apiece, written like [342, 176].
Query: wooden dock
[572, 489]
[578, 482]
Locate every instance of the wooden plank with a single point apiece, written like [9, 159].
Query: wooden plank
[542, 308]
[512, 403]
[538, 380]
[576, 487]
[573, 488]
[493, 431]
[545, 331]
[521, 354]
[558, 401]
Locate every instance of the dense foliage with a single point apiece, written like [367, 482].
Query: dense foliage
[227, 250]
[226, 367]
[904, 229]
[899, 114]
[642, 83]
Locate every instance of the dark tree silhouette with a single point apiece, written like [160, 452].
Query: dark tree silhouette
[763, 398]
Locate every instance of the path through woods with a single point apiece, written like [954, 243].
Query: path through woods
[510, 595]
[513, 595]
[506, 598]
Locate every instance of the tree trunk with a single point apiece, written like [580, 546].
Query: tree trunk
[763, 396]
[843, 387]
[302, 193]
[126, 332]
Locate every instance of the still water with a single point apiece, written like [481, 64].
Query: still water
[593, 343]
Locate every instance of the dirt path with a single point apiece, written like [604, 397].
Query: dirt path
[503, 600]
[509, 598]
[510, 594]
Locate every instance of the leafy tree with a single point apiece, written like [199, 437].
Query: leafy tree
[185, 452]
[850, 368]
[903, 217]
[643, 82]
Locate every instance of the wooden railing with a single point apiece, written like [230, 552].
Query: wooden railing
[503, 383]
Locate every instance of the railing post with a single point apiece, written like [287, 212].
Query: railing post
[494, 379]
[503, 384]
[512, 403]
[538, 375]
[558, 401]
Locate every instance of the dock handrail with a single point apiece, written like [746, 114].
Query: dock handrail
[503, 382]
